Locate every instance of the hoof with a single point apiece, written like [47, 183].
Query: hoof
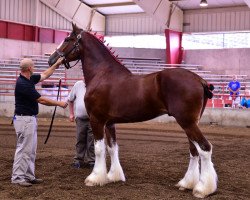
[199, 194]
[93, 180]
[112, 177]
[182, 185]
[180, 188]
[202, 191]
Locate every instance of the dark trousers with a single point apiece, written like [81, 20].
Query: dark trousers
[85, 151]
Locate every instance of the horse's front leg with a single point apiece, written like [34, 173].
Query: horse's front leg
[115, 173]
[99, 174]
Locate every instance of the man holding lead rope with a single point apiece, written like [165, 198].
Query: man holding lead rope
[25, 122]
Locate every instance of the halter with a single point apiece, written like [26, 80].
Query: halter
[75, 46]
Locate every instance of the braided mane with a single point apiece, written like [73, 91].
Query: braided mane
[106, 46]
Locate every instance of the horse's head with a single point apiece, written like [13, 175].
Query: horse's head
[69, 49]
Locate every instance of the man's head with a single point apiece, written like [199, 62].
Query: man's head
[27, 65]
[234, 78]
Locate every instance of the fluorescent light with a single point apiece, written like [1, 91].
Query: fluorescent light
[203, 3]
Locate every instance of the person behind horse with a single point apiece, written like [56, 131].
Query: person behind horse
[234, 89]
[245, 101]
[25, 122]
[85, 156]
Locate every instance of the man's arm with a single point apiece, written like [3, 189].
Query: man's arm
[71, 111]
[50, 102]
[47, 73]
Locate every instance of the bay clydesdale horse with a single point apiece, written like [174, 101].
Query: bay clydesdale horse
[115, 95]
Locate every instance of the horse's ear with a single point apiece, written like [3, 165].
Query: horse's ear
[74, 27]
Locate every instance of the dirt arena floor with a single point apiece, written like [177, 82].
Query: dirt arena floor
[154, 158]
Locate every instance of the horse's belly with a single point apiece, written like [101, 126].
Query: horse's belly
[138, 115]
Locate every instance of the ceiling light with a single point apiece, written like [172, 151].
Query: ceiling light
[203, 3]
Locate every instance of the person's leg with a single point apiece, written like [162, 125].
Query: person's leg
[32, 126]
[237, 102]
[22, 160]
[81, 140]
[90, 151]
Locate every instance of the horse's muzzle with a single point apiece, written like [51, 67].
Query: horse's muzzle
[53, 58]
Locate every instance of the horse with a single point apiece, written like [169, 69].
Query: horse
[115, 95]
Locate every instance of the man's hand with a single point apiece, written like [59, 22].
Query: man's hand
[47, 73]
[71, 118]
[59, 62]
[63, 104]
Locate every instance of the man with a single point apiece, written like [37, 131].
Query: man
[25, 122]
[85, 156]
[234, 88]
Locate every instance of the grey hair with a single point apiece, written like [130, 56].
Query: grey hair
[25, 63]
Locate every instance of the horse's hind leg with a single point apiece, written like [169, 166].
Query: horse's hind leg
[99, 174]
[115, 173]
[207, 183]
[192, 175]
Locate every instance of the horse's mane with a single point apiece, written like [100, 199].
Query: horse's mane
[106, 47]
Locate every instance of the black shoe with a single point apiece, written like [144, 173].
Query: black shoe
[76, 165]
[24, 184]
[36, 181]
[89, 165]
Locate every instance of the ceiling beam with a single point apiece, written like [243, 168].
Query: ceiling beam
[247, 2]
[111, 4]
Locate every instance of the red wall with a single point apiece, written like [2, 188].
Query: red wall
[25, 32]
[3, 29]
[60, 36]
[46, 35]
[174, 50]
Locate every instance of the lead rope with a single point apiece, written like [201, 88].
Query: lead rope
[53, 116]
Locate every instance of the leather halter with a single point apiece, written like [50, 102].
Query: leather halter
[65, 54]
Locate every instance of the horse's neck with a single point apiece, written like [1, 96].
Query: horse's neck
[98, 60]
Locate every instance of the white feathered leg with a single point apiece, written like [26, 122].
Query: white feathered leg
[115, 172]
[191, 177]
[99, 174]
[208, 177]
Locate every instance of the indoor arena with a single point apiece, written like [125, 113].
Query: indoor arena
[124, 99]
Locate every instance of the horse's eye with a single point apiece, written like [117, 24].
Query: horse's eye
[67, 40]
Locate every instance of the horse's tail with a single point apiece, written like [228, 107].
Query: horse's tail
[208, 88]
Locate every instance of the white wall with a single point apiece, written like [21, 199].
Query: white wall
[217, 20]
[18, 10]
[72, 10]
[16, 48]
[160, 11]
[128, 24]
[221, 61]
[140, 53]
[50, 13]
